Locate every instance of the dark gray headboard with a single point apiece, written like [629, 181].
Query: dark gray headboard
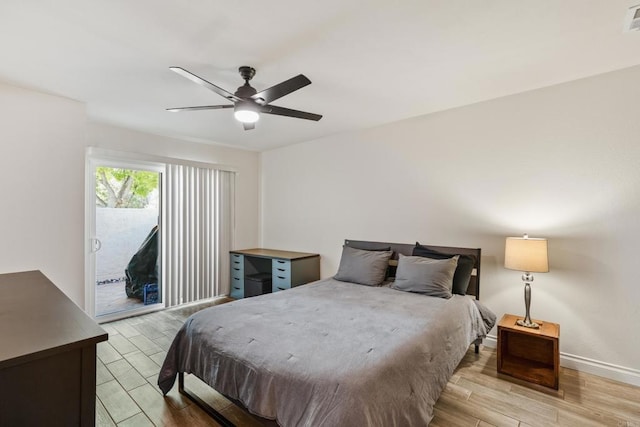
[407, 249]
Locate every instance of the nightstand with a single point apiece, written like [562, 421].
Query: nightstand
[529, 354]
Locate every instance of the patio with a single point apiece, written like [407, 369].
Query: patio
[111, 298]
[121, 233]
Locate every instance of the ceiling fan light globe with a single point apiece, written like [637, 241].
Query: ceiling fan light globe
[246, 116]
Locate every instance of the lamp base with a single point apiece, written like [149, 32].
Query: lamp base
[523, 322]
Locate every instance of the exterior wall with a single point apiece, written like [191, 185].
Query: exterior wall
[121, 232]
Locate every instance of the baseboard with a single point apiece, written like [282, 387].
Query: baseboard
[590, 366]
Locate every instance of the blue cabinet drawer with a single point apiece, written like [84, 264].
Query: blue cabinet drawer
[237, 261]
[280, 283]
[281, 267]
[237, 273]
[283, 274]
[237, 288]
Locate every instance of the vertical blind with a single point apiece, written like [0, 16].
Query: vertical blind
[198, 233]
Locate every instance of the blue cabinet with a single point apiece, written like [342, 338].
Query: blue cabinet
[288, 269]
[237, 276]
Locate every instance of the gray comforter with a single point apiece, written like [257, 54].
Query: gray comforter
[329, 353]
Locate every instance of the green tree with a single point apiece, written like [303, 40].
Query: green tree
[124, 188]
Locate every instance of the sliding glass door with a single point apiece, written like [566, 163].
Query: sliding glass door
[159, 232]
[124, 206]
[127, 237]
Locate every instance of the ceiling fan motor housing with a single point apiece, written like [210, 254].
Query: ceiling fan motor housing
[245, 91]
[247, 72]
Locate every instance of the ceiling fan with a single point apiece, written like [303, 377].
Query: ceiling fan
[249, 103]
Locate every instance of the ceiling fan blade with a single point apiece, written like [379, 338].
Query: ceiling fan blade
[202, 107]
[281, 111]
[249, 126]
[203, 82]
[281, 89]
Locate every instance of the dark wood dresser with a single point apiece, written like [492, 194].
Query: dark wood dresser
[47, 355]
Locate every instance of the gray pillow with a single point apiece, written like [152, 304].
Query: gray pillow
[464, 270]
[363, 267]
[433, 277]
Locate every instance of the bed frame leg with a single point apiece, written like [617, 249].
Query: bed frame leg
[202, 404]
[477, 349]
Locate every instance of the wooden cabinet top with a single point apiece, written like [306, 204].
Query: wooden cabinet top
[274, 253]
[547, 329]
[38, 320]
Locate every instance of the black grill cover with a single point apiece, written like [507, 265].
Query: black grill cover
[143, 267]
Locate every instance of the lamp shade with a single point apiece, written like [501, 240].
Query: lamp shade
[526, 254]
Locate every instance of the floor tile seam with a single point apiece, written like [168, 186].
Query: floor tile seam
[106, 410]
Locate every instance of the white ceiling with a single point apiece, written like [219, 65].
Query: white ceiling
[371, 62]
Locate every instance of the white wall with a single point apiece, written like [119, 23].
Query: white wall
[42, 159]
[42, 139]
[561, 162]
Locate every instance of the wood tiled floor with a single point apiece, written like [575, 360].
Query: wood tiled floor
[127, 371]
[127, 394]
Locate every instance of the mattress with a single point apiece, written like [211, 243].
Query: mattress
[329, 353]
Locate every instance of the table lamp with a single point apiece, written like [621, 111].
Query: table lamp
[528, 255]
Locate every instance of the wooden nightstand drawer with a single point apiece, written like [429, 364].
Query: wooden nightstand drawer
[529, 354]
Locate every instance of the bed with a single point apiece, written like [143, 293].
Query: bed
[336, 352]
